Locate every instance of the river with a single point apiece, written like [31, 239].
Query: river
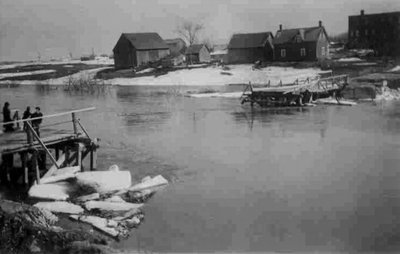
[321, 179]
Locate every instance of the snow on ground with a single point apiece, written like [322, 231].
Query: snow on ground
[350, 59]
[28, 73]
[216, 95]
[388, 95]
[238, 74]
[97, 60]
[145, 71]
[86, 74]
[397, 68]
[365, 64]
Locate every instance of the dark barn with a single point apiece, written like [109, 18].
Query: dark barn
[134, 49]
[380, 32]
[197, 53]
[301, 44]
[249, 48]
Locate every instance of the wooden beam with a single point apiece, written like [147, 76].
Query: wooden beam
[42, 144]
[35, 165]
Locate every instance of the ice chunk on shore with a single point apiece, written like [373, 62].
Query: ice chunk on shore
[51, 191]
[60, 207]
[111, 206]
[104, 181]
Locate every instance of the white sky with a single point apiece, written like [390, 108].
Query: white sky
[56, 27]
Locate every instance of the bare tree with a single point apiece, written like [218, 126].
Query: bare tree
[189, 31]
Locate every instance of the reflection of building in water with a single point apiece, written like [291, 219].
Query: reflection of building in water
[285, 120]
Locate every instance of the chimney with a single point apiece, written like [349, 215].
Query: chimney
[280, 27]
[320, 23]
[362, 12]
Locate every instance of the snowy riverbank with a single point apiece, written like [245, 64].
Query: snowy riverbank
[209, 76]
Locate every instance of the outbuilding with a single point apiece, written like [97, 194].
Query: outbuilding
[134, 49]
[251, 47]
[197, 53]
[301, 44]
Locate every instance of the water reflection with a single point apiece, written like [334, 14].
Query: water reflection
[296, 119]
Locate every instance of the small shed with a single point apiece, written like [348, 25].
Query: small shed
[134, 49]
[197, 53]
[219, 53]
[250, 47]
[301, 44]
[176, 46]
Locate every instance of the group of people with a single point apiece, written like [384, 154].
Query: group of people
[9, 121]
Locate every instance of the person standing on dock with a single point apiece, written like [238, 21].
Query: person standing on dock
[36, 122]
[27, 114]
[7, 118]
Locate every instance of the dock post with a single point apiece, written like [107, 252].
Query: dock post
[93, 159]
[24, 161]
[67, 156]
[79, 150]
[35, 165]
[93, 154]
[74, 123]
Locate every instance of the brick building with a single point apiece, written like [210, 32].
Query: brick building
[380, 32]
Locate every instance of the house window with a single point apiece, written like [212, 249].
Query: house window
[323, 51]
[283, 52]
[302, 52]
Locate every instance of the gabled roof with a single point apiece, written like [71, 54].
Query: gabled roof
[252, 40]
[145, 40]
[307, 34]
[194, 49]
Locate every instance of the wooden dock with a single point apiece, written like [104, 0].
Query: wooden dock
[54, 149]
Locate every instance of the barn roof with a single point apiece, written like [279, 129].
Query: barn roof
[146, 40]
[251, 40]
[308, 34]
[194, 49]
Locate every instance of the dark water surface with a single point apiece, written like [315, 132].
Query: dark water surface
[322, 179]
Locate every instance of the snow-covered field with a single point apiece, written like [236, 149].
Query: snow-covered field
[350, 59]
[98, 60]
[28, 73]
[57, 81]
[211, 76]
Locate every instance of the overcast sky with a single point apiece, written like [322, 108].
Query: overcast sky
[56, 27]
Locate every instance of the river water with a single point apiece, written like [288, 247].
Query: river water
[321, 179]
